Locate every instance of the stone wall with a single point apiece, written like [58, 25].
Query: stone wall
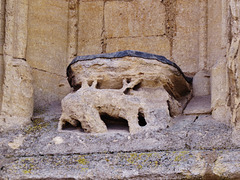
[47, 35]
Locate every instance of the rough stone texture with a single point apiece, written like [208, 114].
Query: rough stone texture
[199, 105]
[17, 102]
[201, 84]
[16, 29]
[90, 27]
[52, 94]
[187, 149]
[216, 50]
[194, 34]
[87, 104]
[1, 79]
[156, 45]
[185, 43]
[132, 88]
[220, 92]
[73, 11]
[47, 48]
[134, 18]
[17, 90]
[59, 30]
[145, 165]
[233, 58]
[2, 25]
[227, 164]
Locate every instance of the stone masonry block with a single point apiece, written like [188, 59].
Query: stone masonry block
[134, 18]
[47, 35]
[185, 43]
[156, 45]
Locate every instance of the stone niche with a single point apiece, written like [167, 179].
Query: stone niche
[146, 90]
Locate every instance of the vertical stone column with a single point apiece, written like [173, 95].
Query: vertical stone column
[17, 98]
[233, 58]
[219, 72]
[202, 62]
[201, 81]
[2, 26]
[73, 7]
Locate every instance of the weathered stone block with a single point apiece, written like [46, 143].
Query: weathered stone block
[227, 165]
[89, 46]
[134, 18]
[90, 20]
[185, 43]
[199, 105]
[1, 79]
[2, 24]
[201, 83]
[215, 32]
[220, 92]
[17, 99]
[47, 35]
[139, 87]
[156, 45]
[90, 27]
[46, 95]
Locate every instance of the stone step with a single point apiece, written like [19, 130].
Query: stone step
[199, 105]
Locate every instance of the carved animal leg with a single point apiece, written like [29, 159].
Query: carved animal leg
[91, 121]
[133, 125]
[64, 119]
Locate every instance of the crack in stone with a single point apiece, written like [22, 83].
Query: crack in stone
[188, 144]
[103, 36]
[42, 70]
[147, 36]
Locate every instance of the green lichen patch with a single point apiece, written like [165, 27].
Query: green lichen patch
[81, 160]
[38, 124]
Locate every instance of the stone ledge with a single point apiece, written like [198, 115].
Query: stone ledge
[187, 149]
[185, 133]
[128, 165]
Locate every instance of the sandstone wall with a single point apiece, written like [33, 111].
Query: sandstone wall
[47, 49]
[46, 35]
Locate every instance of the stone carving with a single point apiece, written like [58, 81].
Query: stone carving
[131, 85]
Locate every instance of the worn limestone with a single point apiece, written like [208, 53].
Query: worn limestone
[128, 86]
[40, 39]
[54, 32]
[17, 101]
[220, 92]
[46, 52]
[185, 42]
[201, 83]
[128, 19]
[17, 89]
[90, 27]
[199, 105]
[155, 45]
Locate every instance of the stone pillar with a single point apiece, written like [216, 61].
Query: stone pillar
[233, 57]
[201, 81]
[2, 25]
[17, 96]
[218, 30]
[73, 6]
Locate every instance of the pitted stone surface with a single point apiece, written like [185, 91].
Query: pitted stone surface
[141, 88]
[185, 149]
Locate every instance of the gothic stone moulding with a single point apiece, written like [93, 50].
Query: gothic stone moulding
[131, 85]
